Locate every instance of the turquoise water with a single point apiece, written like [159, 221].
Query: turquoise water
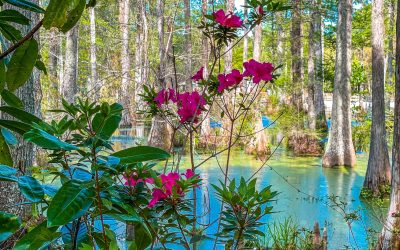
[288, 175]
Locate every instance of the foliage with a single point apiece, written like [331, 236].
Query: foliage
[289, 235]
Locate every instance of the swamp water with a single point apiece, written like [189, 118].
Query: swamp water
[288, 175]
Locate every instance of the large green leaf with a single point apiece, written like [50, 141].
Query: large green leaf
[11, 99]
[31, 188]
[38, 238]
[9, 32]
[140, 154]
[46, 140]
[27, 5]
[56, 14]
[105, 125]
[16, 126]
[21, 115]
[6, 170]
[13, 16]
[73, 15]
[2, 75]
[9, 224]
[21, 64]
[143, 238]
[5, 156]
[72, 201]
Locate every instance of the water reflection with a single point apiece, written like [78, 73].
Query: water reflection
[294, 173]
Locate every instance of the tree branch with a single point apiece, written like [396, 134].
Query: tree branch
[22, 41]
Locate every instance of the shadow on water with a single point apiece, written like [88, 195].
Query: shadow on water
[294, 173]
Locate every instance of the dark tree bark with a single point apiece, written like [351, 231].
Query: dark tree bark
[23, 154]
[69, 85]
[296, 50]
[340, 149]
[389, 238]
[378, 170]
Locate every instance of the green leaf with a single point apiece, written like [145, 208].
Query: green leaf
[16, 126]
[11, 99]
[40, 66]
[2, 75]
[9, 224]
[21, 115]
[56, 14]
[13, 16]
[73, 15]
[9, 32]
[21, 64]
[5, 156]
[143, 237]
[140, 154]
[9, 137]
[105, 125]
[38, 238]
[46, 140]
[25, 5]
[6, 170]
[31, 188]
[71, 202]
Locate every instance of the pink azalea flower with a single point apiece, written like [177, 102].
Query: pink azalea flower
[199, 75]
[230, 20]
[190, 106]
[189, 173]
[260, 10]
[158, 195]
[229, 80]
[132, 181]
[259, 71]
[164, 96]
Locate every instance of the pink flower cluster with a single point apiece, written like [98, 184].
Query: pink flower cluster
[229, 20]
[190, 105]
[169, 185]
[259, 71]
[199, 75]
[229, 80]
[164, 96]
[133, 179]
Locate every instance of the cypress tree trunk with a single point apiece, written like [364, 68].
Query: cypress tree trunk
[378, 170]
[296, 50]
[311, 71]
[125, 94]
[340, 149]
[230, 5]
[318, 50]
[54, 67]
[390, 42]
[188, 47]
[204, 41]
[245, 38]
[23, 154]
[389, 239]
[93, 87]
[69, 86]
[160, 134]
[280, 37]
